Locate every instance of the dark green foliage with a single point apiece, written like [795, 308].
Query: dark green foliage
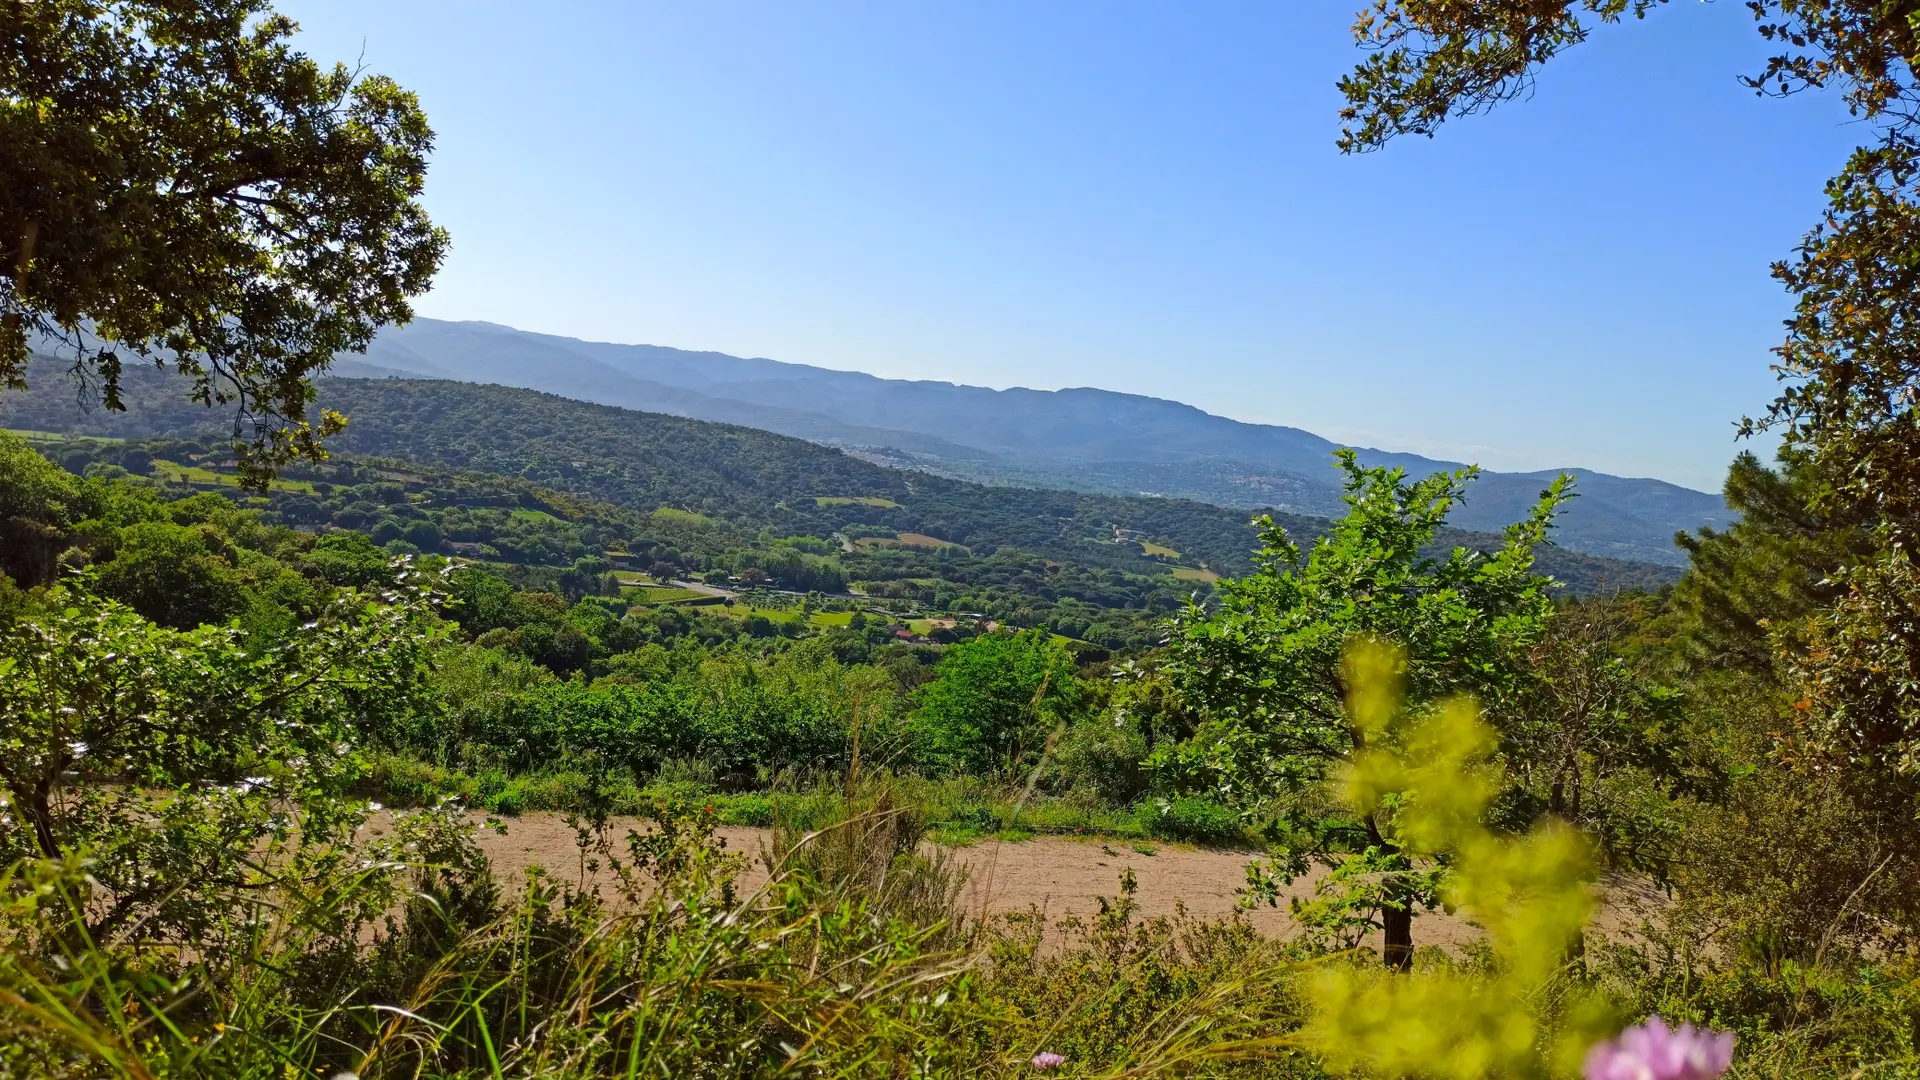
[1765, 575]
[175, 575]
[1591, 739]
[349, 558]
[37, 501]
[199, 195]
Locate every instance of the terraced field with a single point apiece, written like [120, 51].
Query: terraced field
[908, 540]
[177, 473]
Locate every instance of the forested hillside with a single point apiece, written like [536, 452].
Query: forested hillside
[751, 479]
[1083, 439]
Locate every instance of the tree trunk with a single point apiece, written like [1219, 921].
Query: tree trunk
[1396, 921]
[40, 808]
[1398, 924]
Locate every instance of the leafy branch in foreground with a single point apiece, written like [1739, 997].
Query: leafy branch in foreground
[185, 189]
[1528, 1013]
[185, 768]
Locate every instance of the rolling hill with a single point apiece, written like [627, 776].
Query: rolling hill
[747, 477]
[1077, 439]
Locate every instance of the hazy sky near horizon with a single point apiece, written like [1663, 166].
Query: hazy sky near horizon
[1138, 196]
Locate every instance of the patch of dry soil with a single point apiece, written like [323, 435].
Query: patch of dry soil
[1058, 875]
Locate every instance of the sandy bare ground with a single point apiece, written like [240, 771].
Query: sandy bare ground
[1058, 875]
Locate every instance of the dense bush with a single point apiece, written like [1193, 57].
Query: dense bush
[994, 703]
[1186, 817]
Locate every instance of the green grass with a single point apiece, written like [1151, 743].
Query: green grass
[856, 500]
[1153, 550]
[775, 615]
[632, 577]
[31, 435]
[1189, 573]
[832, 618]
[962, 810]
[958, 810]
[684, 517]
[523, 513]
[177, 473]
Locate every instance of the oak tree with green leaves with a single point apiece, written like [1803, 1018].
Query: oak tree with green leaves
[1267, 667]
[181, 187]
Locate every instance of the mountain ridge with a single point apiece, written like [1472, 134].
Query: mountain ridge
[748, 476]
[1079, 438]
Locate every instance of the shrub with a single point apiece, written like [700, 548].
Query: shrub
[1118, 995]
[864, 843]
[993, 701]
[752, 808]
[404, 781]
[1103, 756]
[1194, 819]
[508, 801]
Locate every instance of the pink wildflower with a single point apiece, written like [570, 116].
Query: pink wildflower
[1047, 1059]
[1654, 1051]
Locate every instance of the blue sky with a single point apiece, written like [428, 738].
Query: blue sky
[1138, 196]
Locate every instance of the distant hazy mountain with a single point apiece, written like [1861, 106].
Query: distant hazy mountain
[1078, 439]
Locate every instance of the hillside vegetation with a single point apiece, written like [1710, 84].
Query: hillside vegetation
[1080, 439]
[266, 676]
[751, 479]
[513, 666]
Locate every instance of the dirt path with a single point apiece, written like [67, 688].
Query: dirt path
[1059, 875]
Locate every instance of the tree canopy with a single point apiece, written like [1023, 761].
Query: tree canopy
[994, 700]
[1268, 664]
[182, 187]
[1271, 667]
